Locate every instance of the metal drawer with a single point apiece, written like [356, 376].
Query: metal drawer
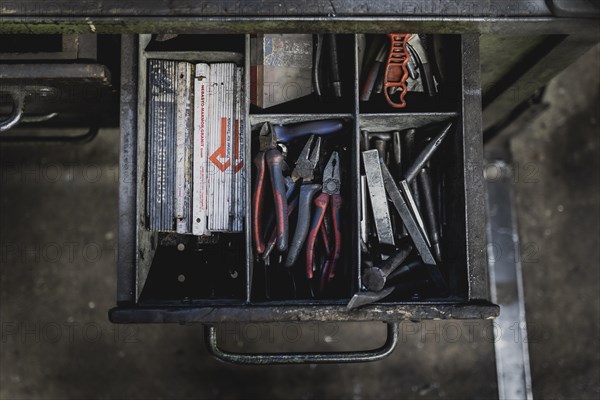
[234, 299]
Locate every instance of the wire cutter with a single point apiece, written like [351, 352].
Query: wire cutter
[269, 156]
[304, 170]
[330, 195]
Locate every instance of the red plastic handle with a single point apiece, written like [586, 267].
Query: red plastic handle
[321, 202]
[257, 200]
[336, 211]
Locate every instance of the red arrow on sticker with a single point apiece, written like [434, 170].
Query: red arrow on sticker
[236, 144]
[220, 153]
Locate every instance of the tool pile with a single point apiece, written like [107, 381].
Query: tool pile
[401, 244]
[297, 232]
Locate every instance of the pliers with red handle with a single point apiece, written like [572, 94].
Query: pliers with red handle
[330, 195]
[269, 157]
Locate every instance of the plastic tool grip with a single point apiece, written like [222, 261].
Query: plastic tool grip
[273, 238]
[287, 133]
[321, 202]
[257, 200]
[274, 160]
[307, 192]
[325, 238]
[396, 71]
[336, 212]
[270, 225]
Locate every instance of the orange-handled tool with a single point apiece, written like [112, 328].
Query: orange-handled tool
[396, 71]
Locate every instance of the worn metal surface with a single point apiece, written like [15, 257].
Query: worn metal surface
[379, 204]
[472, 148]
[55, 73]
[197, 56]
[72, 47]
[257, 120]
[15, 136]
[278, 60]
[556, 177]
[344, 16]
[68, 89]
[506, 282]
[303, 312]
[500, 53]
[144, 240]
[127, 247]
[235, 8]
[394, 121]
[532, 72]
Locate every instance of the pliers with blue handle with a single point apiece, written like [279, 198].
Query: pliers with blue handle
[305, 171]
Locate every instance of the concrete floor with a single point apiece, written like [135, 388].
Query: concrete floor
[58, 225]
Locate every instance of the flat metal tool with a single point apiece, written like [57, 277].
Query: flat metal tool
[381, 212]
[317, 65]
[414, 230]
[426, 154]
[363, 298]
[336, 82]
[414, 209]
[364, 232]
[430, 212]
[367, 297]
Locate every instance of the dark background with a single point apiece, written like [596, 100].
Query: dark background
[58, 226]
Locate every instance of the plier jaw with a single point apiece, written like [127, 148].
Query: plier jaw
[266, 137]
[308, 160]
[331, 175]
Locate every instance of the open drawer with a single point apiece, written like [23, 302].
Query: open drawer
[169, 278]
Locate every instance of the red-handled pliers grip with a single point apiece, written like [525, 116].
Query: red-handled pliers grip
[273, 159]
[336, 214]
[329, 196]
[321, 202]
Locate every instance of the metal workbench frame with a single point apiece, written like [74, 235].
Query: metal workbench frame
[342, 16]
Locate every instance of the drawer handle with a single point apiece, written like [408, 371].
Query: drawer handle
[210, 337]
[18, 100]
